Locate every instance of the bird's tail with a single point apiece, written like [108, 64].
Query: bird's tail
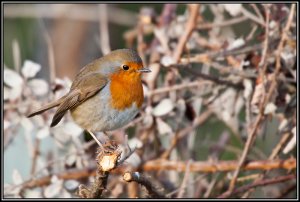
[46, 107]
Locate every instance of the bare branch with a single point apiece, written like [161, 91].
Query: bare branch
[259, 183]
[139, 178]
[252, 135]
[219, 166]
[190, 26]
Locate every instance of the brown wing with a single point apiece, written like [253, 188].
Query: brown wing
[81, 90]
[47, 107]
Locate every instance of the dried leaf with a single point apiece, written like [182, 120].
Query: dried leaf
[12, 78]
[14, 93]
[283, 124]
[167, 61]
[30, 69]
[71, 185]
[26, 124]
[6, 93]
[135, 143]
[6, 124]
[65, 85]
[53, 189]
[180, 108]
[148, 118]
[292, 143]
[163, 108]
[163, 127]
[33, 194]
[134, 160]
[227, 108]
[43, 132]
[197, 104]
[38, 86]
[248, 88]
[233, 9]
[236, 43]
[71, 159]
[16, 177]
[257, 95]
[72, 129]
[38, 121]
[270, 108]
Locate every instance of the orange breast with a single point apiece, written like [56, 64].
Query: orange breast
[126, 89]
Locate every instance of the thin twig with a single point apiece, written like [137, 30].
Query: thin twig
[121, 161]
[252, 17]
[219, 166]
[184, 181]
[103, 26]
[35, 155]
[262, 62]
[258, 184]
[274, 153]
[16, 53]
[190, 26]
[252, 135]
[211, 186]
[83, 13]
[280, 144]
[256, 9]
[51, 58]
[185, 131]
[96, 139]
[177, 87]
[287, 190]
[230, 22]
[155, 165]
[139, 178]
[215, 79]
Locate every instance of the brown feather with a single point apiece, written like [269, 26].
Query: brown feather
[70, 101]
[86, 87]
[46, 107]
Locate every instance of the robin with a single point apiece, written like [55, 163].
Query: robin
[105, 95]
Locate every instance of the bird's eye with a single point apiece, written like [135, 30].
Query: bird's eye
[125, 67]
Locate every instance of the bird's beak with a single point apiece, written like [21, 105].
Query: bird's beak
[144, 70]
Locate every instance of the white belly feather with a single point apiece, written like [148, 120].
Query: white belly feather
[96, 115]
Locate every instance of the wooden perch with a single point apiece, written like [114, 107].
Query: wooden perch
[106, 161]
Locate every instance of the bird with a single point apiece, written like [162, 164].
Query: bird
[105, 95]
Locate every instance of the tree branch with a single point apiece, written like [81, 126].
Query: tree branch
[219, 166]
[190, 26]
[258, 184]
[252, 135]
[141, 179]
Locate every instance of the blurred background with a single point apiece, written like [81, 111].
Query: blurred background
[212, 69]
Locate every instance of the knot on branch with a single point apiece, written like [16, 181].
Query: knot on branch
[107, 160]
[107, 157]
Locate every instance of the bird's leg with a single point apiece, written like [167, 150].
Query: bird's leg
[95, 138]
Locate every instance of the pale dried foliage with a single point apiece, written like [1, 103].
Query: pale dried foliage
[206, 80]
